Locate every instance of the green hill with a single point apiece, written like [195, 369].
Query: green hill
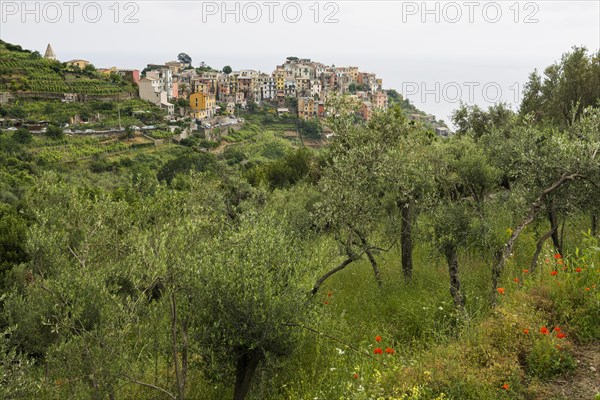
[27, 71]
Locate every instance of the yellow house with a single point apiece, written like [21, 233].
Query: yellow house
[81, 64]
[107, 71]
[279, 78]
[203, 105]
[307, 108]
[353, 72]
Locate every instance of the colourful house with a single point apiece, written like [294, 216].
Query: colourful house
[81, 64]
[202, 105]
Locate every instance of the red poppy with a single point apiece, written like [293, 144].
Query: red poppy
[578, 269]
[389, 350]
[525, 271]
[553, 272]
[378, 351]
[557, 256]
[544, 330]
[378, 338]
[587, 289]
[355, 375]
[560, 335]
[505, 386]
[500, 290]
[325, 302]
[329, 294]
[526, 331]
[557, 329]
[516, 280]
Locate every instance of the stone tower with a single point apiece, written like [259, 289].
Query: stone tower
[49, 54]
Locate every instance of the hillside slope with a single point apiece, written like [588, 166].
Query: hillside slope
[26, 71]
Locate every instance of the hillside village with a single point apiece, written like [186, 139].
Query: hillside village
[299, 85]
[184, 233]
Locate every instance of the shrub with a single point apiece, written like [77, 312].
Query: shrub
[547, 359]
[22, 136]
[189, 161]
[54, 132]
[233, 155]
[208, 144]
[310, 129]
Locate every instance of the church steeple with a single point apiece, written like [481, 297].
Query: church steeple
[49, 54]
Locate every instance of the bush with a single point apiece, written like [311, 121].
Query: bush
[208, 144]
[547, 359]
[575, 301]
[189, 161]
[22, 136]
[54, 132]
[233, 155]
[310, 129]
[295, 166]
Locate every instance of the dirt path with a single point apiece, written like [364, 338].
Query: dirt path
[221, 147]
[584, 383]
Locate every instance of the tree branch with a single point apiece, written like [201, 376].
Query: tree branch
[533, 210]
[81, 262]
[538, 248]
[329, 337]
[164, 391]
[340, 267]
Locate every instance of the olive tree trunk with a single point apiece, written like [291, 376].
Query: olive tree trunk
[247, 362]
[552, 218]
[406, 241]
[452, 258]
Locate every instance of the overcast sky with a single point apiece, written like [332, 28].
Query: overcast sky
[436, 53]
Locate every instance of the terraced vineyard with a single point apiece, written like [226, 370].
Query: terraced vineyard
[26, 71]
[76, 151]
[160, 134]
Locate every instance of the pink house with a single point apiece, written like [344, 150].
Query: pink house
[131, 75]
[175, 89]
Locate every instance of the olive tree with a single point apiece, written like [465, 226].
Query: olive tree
[464, 181]
[249, 296]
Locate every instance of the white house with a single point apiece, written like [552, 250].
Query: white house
[151, 90]
[165, 76]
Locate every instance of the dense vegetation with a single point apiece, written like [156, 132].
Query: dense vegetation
[391, 264]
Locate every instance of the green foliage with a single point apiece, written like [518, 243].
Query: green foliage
[577, 297]
[158, 134]
[252, 290]
[21, 70]
[208, 144]
[310, 129]
[165, 271]
[13, 230]
[15, 371]
[54, 132]
[396, 98]
[295, 166]
[357, 87]
[184, 58]
[545, 360]
[498, 118]
[22, 136]
[233, 155]
[569, 86]
[188, 161]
